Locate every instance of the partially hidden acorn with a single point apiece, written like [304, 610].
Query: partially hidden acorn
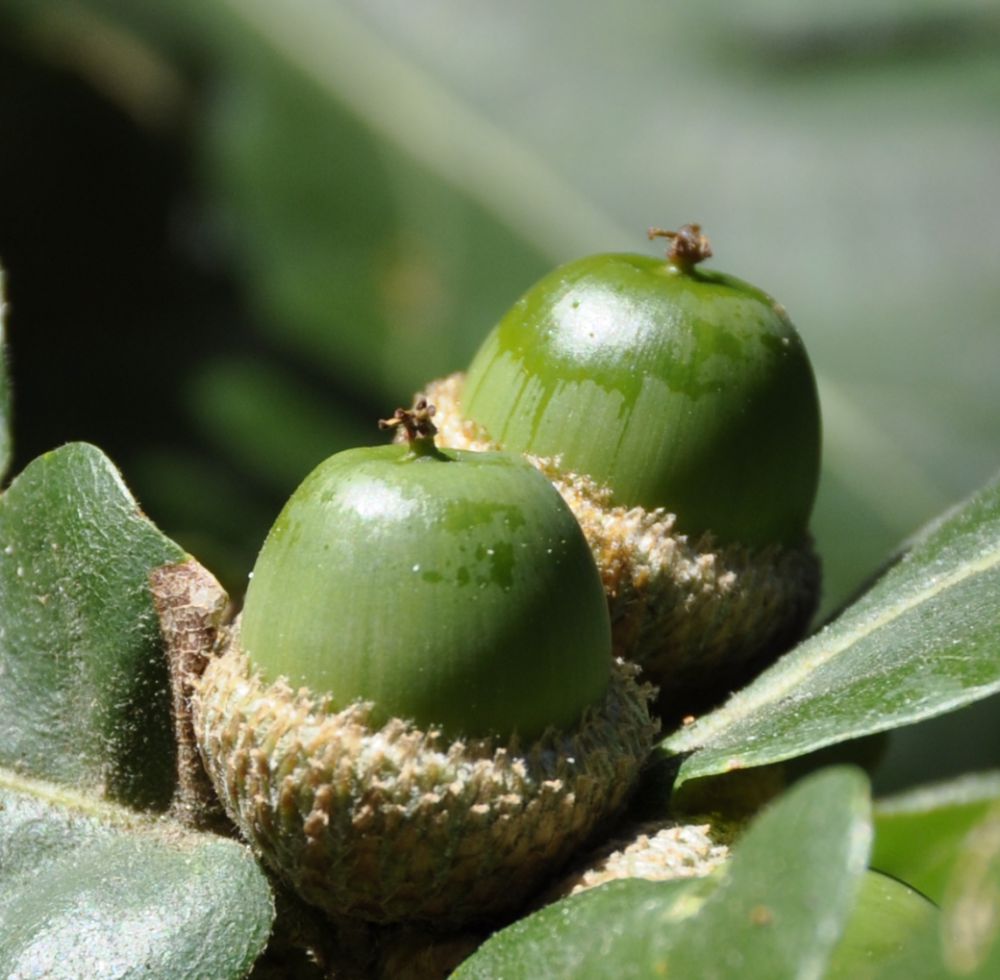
[676, 411]
[418, 716]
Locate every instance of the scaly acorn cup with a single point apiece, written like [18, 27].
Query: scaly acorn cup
[419, 716]
[676, 411]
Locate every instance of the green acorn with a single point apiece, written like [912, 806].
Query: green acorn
[419, 715]
[676, 411]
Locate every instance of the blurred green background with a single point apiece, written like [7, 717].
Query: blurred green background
[237, 231]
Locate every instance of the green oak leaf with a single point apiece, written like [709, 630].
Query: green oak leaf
[919, 834]
[967, 942]
[886, 918]
[970, 909]
[777, 910]
[91, 889]
[924, 640]
[84, 687]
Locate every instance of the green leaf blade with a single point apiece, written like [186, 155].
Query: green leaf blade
[793, 881]
[886, 919]
[919, 835]
[777, 911]
[971, 906]
[84, 698]
[90, 889]
[967, 943]
[922, 642]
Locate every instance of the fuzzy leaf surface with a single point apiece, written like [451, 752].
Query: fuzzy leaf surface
[89, 889]
[924, 640]
[84, 690]
[777, 911]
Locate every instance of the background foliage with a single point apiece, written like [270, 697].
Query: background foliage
[235, 232]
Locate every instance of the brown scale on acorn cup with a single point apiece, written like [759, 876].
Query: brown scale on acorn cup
[418, 717]
[676, 411]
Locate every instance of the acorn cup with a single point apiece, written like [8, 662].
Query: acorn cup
[418, 716]
[676, 412]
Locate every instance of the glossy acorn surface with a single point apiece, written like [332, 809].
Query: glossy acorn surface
[451, 589]
[418, 717]
[673, 386]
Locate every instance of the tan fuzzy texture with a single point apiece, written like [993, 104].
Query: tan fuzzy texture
[395, 824]
[698, 617]
[658, 851]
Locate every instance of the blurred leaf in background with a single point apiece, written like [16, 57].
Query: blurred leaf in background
[236, 232]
